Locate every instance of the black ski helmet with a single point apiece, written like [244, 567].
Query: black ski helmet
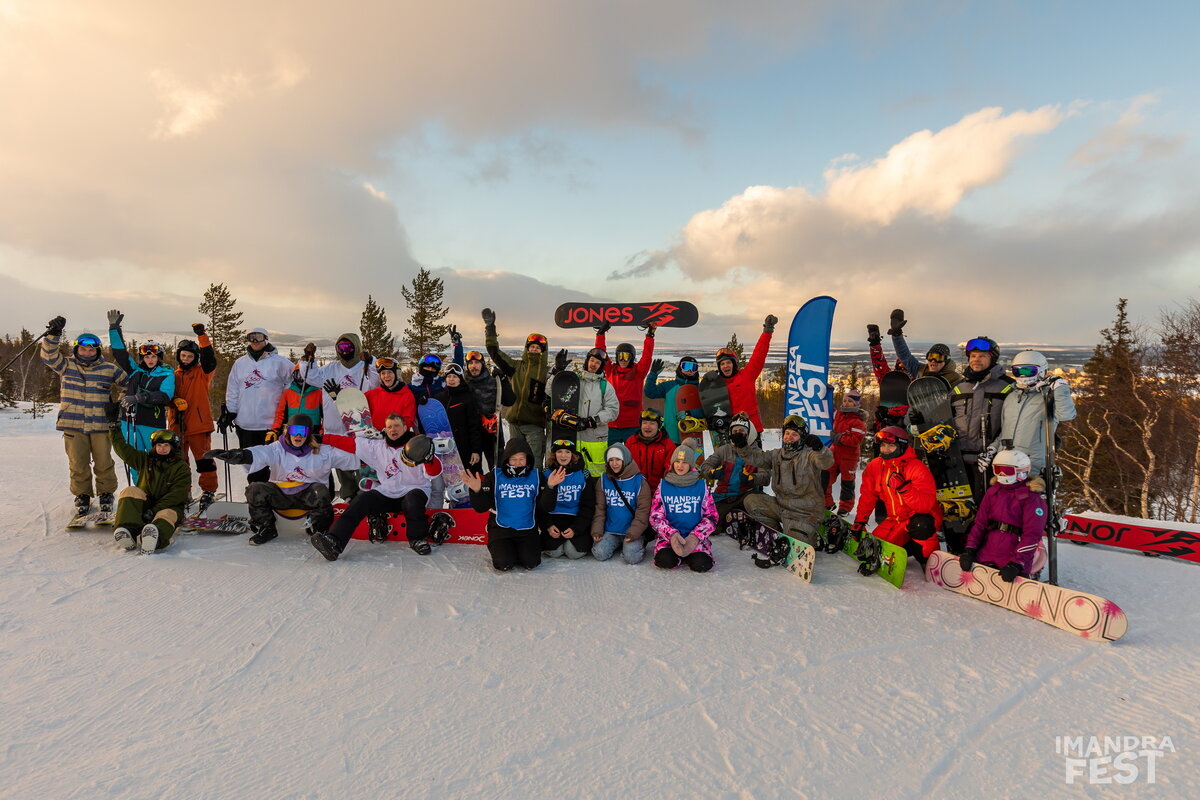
[940, 350]
[599, 353]
[159, 437]
[187, 346]
[893, 434]
[627, 349]
[984, 344]
[417, 450]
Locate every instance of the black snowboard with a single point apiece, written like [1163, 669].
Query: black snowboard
[564, 406]
[676, 314]
[937, 442]
[714, 399]
[893, 389]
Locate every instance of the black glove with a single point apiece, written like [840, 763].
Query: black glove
[650, 329]
[603, 328]
[873, 336]
[769, 323]
[591, 422]
[455, 336]
[657, 364]
[915, 417]
[199, 329]
[422, 399]
[310, 352]
[226, 420]
[331, 388]
[560, 360]
[134, 399]
[813, 442]
[231, 456]
[112, 412]
[489, 317]
[55, 326]
[1009, 572]
[967, 559]
[898, 321]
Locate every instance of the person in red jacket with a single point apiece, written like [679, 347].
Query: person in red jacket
[651, 447]
[905, 486]
[741, 382]
[849, 429]
[391, 396]
[627, 375]
[193, 413]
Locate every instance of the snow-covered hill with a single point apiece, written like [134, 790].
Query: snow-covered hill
[217, 670]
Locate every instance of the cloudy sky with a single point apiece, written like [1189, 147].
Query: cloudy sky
[1000, 168]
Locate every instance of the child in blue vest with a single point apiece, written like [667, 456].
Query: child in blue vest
[684, 515]
[622, 508]
[510, 493]
[567, 503]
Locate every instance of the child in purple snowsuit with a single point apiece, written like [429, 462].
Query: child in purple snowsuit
[1011, 520]
[684, 515]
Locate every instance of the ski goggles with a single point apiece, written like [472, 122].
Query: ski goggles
[1007, 470]
[536, 338]
[256, 338]
[1025, 370]
[162, 437]
[624, 356]
[651, 414]
[87, 340]
[562, 444]
[887, 437]
[689, 365]
[344, 348]
[454, 369]
[475, 355]
[430, 361]
[979, 344]
[936, 358]
[150, 350]
[386, 363]
[299, 430]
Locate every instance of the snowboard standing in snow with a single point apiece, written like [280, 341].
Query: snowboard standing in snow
[436, 425]
[929, 407]
[564, 407]
[1085, 615]
[773, 547]
[714, 399]
[689, 413]
[92, 518]
[356, 416]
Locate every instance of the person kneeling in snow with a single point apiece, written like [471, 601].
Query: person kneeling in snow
[148, 511]
[566, 504]
[796, 468]
[299, 469]
[906, 487]
[622, 508]
[1011, 520]
[684, 515]
[510, 492]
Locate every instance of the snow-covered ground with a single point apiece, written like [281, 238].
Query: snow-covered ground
[218, 670]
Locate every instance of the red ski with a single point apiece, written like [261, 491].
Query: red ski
[1163, 538]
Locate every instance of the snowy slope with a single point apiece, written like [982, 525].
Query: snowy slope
[220, 670]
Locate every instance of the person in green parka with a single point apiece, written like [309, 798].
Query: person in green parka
[149, 511]
[528, 377]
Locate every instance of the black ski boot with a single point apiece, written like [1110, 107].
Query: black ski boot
[83, 503]
[325, 545]
[439, 527]
[106, 502]
[377, 527]
[262, 535]
[206, 500]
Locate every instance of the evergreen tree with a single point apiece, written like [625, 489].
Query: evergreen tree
[852, 378]
[225, 330]
[737, 347]
[373, 328]
[425, 329]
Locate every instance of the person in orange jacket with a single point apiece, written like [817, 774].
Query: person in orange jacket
[651, 448]
[905, 486]
[193, 412]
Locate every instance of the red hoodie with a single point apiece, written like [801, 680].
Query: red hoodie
[652, 457]
[742, 393]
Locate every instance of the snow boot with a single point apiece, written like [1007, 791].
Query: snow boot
[124, 538]
[377, 527]
[262, 535]
[83, 503]
[325, 545]
[106, 502]
[206, 500]
[420, 547]
[148, 541]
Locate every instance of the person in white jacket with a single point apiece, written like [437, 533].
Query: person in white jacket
[299, 470]
[256, 382]
[1037, 394]
[352, 368]
[406, 466]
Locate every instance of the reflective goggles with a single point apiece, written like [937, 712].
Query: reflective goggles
[256, 338]
[386, 363]
[536, 338]
[887, 437]
[345, 348]
[431, 361]
[150, 350]
[651, 414]
[159, 437]
[1008, 470]
[688, 365]
[936, 358]
[979, 344]
[474, 355]
[562, 444]
[299, 430]
[87, 340]
[1025, 370]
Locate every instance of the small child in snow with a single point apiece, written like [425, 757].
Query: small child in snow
[1011, 520]
[684, 515]
[622, 508]
[566, 504]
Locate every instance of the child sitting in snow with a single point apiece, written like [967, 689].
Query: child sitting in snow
[1011, 520]
[622, 508]
[684, 515]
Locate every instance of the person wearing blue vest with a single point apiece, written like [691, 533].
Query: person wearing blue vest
[566, 504]
[510, 492]
[622, 508]
[684, 515]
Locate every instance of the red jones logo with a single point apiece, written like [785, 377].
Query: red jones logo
[657, 313]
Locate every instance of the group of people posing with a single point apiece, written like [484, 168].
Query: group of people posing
[631, 478]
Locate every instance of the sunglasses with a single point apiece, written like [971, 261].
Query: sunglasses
[562, 444]
[87, 340]
[256, 338]
[1025, 370]
[298, 430]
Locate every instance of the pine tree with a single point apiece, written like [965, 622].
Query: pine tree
[225, 330]
[852, 378]
[737, 347]
[424, 331]
[373, 328]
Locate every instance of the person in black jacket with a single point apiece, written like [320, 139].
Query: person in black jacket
[510, 492]
[566, 504]
[463, 412]
[492, 390]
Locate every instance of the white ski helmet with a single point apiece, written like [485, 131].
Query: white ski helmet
[1028, 367]
[1011, 466]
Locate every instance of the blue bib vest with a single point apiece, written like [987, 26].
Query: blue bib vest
[515, 499]
[569, 493]
[684, 505]
[618, 515]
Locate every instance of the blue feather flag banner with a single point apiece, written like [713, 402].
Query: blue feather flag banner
[807, 393]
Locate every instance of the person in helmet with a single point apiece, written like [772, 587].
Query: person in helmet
[849, 430]
[683, 515]
[977, 403]
[509, 494]
[622, 508]
[797, 506]
[626, 373]
[687, 373]
[566, 504]
[427, 379]
[596, 407]
[737, 468]
[406, 466]
[528, 374]
[463, 413]
[87, 381]
[148, 390]
[650, 447]
[193, 422]
[149, 511]
[256, 382]
[391, 396]
[299, 477]
[299, 397]
[492, 390]
[1010, 524]
[937, 358]
[905, 486]
[1036, 396]
[741, 381]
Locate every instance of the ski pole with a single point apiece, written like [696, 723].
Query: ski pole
[1052, 521]
[225, 445]
[13, 360]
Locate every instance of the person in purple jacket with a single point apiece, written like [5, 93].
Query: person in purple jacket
[1011, 520]
[684, 515]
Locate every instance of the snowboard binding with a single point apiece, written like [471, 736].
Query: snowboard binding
[870, 553]
[831, 537]
[690, 424]
[777, 553]
[737, 529]
[439, 527]
[938, 438]
[377, 527]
